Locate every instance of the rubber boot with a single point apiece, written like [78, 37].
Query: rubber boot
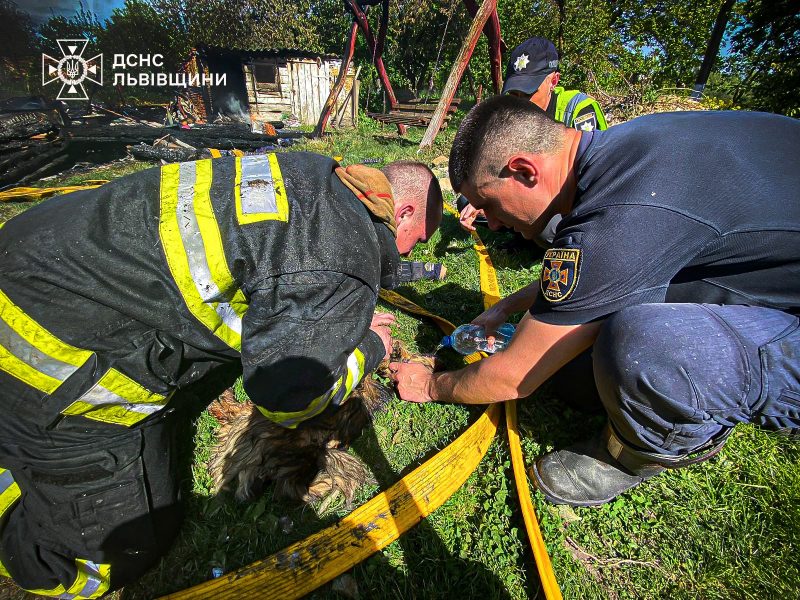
[596, 471]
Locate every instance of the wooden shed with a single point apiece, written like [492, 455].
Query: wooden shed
[273, 85]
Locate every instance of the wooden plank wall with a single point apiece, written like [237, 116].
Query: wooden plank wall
[303, 90]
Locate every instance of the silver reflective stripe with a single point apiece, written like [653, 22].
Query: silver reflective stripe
[354, 370]
[32, 356]
[93, 583]
[6, 480]
[196, 252]
[258, 189]
[98, 396]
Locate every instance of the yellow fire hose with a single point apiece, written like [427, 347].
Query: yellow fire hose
[491, 295]
[30, 193]
[304, 566]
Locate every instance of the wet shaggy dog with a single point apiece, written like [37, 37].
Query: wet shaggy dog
[306, 464]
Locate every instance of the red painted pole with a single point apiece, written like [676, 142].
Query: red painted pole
[337, 87]
[361, 19]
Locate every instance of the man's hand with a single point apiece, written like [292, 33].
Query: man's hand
[491, 319]
[381, 322]
[468, 216]
[413, 381]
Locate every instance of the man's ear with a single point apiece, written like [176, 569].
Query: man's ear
[406, 210]
[556, 77]
[522, 166]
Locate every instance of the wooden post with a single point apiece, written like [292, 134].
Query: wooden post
[487, 8]
[337, 87]
[496, 44]
[361, 19]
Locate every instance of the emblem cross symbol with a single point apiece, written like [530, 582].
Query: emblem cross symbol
[557, 275]
[72, 69]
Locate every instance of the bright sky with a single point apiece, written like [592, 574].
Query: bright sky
[41, 10]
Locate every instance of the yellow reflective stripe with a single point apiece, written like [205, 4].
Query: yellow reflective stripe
[31, 353]
[215, 153]
[9, 491]
[259, 191]
[117, 399]
[175, 231]
[336, 393]
[91, 581]
[212, 239]
[292, 419]
[280, 189]
[9, 494]
[355, 371]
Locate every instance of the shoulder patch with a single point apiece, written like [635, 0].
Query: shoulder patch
[586, 122]
[560, 271]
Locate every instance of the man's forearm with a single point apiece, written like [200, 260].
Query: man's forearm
[479, 383]
[536, 352]
[520, 300]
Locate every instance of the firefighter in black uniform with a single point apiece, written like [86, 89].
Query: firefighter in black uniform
[677, 266]
[111, 299]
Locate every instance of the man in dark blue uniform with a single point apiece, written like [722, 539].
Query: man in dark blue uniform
[532, 74]
[677, 262]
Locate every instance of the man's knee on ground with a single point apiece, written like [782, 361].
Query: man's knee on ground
[643, 382]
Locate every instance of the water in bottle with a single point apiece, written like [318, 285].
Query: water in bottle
[469, 338]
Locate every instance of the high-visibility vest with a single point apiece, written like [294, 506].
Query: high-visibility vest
[571, 102]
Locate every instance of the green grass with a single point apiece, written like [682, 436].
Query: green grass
[727, 528]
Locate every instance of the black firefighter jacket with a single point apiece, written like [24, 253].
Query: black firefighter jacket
[112, 298]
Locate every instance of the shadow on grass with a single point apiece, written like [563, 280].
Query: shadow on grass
[430, 570]
[219, 531]
[452, 301]
[394, 140]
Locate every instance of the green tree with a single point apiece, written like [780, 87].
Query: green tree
[17, 49]
[674, 34]
[137, 28]
[768, 44]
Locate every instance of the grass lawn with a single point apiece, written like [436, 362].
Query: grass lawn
[727, 528]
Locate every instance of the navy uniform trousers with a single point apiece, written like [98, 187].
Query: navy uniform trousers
[674, 376]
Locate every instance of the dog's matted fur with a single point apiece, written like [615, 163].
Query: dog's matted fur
[306, 464]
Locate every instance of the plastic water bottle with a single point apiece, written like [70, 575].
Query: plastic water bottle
[469, 338]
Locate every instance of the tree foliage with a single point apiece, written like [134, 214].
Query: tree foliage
[769, 42]
[607, 46]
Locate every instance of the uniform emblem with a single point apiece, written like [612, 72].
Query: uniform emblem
[521, 62]
[560, 270]
[586, 122]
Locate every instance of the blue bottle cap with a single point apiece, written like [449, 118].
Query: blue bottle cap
[447, 341]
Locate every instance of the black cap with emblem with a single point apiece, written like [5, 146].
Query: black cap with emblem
[531, 61]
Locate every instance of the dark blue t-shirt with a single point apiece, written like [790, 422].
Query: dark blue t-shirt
[679, 207]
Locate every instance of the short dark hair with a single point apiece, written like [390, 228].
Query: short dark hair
[412, 179]
[495, 129]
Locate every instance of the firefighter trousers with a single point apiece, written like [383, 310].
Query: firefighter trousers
[83, 513]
